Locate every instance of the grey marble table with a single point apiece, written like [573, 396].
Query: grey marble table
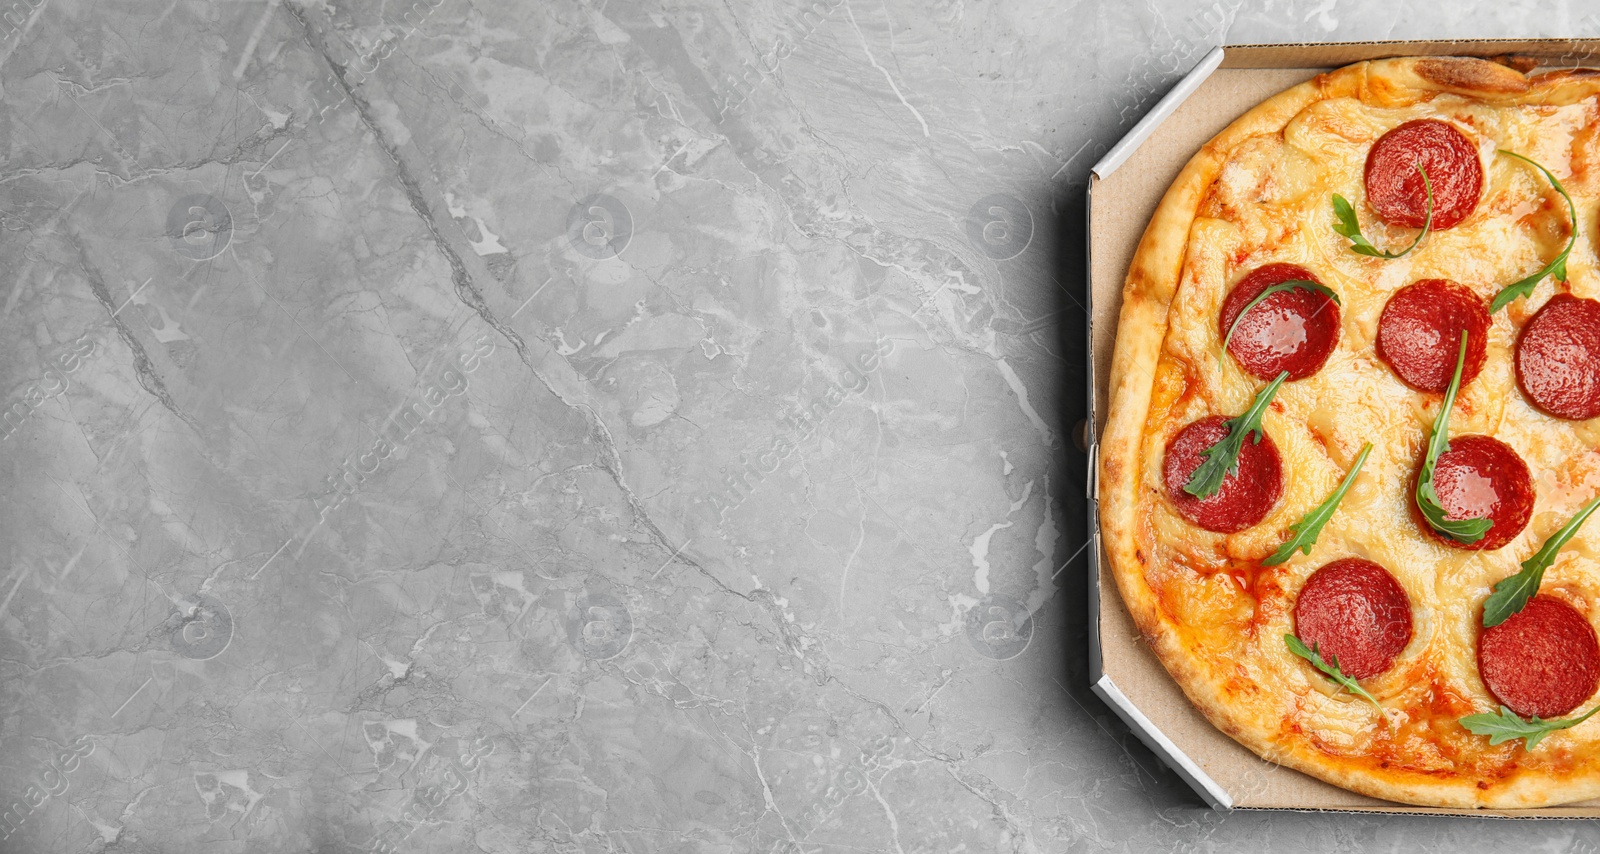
[495, 426]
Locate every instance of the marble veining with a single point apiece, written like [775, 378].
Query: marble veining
[559, 426]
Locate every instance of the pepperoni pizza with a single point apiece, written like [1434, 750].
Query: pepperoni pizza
[1352, 440]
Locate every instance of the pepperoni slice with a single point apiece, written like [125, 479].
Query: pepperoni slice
[1292, 330]
[1543, 660]
[1419, 333]
[1394, 187]
[1354, 611]
[1247, 495]
[1482, 478]
[1558, 358]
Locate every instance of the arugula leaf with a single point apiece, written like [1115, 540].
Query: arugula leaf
[1511, 593]
[1557, 268]
[1222, 458]
[1287, 285]
[1348, 226]
[1505, 725]
[1307, 529]
[1332, 672]
[1461, 530]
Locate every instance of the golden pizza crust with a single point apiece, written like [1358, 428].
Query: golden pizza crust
[1142, 391]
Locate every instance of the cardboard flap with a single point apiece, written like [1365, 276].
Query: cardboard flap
[1158, 114]
[1550, 53]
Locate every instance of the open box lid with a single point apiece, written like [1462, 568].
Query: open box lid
[1124, 189]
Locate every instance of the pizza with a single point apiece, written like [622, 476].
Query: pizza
[1352, 438]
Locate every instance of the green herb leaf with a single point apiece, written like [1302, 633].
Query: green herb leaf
[1348, 226]
[1461, 530]
[1514, 592]
[1331, 670]
[1505, 725]
[1308, 528]
[1557, 268]
[1287, 285]
[1222, 458]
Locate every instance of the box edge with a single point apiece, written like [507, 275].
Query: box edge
[1091, 485]
[1162, 746]
[1164, 108]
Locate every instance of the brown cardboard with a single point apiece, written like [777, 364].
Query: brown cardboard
[1551, 53]
[1120, 205]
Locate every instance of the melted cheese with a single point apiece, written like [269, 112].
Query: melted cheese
[1271, 203]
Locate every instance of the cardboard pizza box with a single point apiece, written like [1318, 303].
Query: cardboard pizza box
[1124, 188]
